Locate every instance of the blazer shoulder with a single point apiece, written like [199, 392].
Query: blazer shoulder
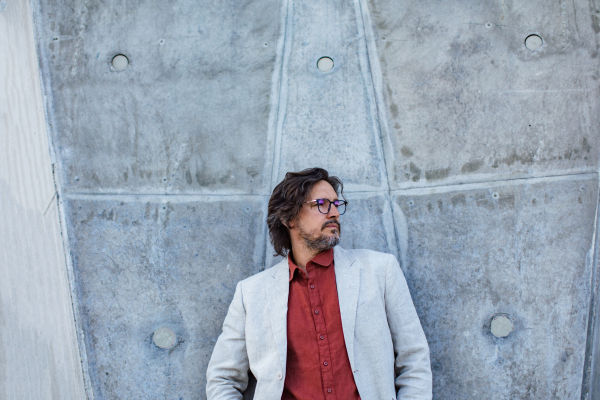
[372, 262]
[261, 277]
[370, 256]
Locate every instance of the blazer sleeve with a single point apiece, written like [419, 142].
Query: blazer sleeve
[227, 372]
[412, 366]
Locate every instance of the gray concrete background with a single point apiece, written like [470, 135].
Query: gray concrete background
[39, 354]
[469, 156]
[513, 261]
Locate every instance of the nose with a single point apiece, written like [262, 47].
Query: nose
[333, 212]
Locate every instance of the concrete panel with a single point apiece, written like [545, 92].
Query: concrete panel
[466, 100]
[329, 118]
[368, 223]
[189, 113]
[520, 249]
[145, 263]
[39, 355]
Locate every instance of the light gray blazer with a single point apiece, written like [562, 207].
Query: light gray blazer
[386, 345]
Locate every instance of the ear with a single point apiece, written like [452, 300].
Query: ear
[290, 224]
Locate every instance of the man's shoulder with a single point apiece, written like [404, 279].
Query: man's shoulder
[262, 276]
[365, 255]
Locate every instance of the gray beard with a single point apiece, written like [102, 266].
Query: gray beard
[321, 243]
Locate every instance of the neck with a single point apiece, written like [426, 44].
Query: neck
[302, 255]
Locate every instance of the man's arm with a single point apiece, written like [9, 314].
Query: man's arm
[227, 373]
[412, 366]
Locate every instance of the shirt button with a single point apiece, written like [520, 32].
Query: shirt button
[279, 376]
[316, 311]
[321, 337]
[325, 363]
[329, 390]
[312, 286]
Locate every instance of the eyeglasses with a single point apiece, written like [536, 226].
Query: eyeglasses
[324, 205]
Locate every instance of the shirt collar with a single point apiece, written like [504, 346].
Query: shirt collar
[324, 259]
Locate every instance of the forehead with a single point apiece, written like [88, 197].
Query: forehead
[322, 190]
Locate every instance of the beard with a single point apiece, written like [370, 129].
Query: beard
[321, 241]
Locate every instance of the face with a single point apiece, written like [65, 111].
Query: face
[316, 230]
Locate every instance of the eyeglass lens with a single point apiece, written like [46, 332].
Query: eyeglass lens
[324, 206]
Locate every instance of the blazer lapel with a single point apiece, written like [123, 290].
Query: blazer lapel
[347, 278]
[278, 288]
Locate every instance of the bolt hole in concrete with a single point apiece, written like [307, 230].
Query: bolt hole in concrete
[164, 338]
[501, 326]
[495, 195]
[488, 25]
[533, 42]
[120, 62]
[325, 64]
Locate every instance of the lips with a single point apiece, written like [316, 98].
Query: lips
[332, 225]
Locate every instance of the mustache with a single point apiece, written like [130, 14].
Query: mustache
[332, 222]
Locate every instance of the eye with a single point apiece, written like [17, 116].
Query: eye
[320, 201]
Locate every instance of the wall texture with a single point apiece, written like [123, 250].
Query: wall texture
[467, 153]
[39, 355]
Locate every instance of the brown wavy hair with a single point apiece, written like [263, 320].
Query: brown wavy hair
[286, 200]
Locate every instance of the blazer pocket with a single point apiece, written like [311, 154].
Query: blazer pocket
[363, 303]
[372, 313]
[367, 302]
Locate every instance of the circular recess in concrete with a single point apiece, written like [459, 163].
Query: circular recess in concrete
[533, 42]
[164, 338]
[325, 64]
[120, 62]
[501, 326]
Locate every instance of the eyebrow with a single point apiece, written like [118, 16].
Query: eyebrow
[325, 198]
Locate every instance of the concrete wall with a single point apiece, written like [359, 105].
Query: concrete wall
[39, 356]
[470, 156]
[591, 382]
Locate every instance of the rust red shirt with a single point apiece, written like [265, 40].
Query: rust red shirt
[317, 361]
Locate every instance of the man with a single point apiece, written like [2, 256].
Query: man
[324, 323]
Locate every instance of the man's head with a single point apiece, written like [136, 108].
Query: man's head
[297, 210]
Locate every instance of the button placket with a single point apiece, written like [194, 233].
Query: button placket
[319, 321]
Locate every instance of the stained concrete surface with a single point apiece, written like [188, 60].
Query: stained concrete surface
[189, 113]
[513, 249]
[329, 116]
[467, 100]
[142, 265]
[438, 104]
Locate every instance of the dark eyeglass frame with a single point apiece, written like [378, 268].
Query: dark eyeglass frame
[336, 203]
